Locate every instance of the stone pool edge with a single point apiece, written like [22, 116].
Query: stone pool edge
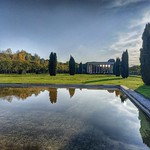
[139, 100]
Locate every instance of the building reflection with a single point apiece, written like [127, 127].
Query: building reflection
[53, 95]
[145, 128]
[71, 92]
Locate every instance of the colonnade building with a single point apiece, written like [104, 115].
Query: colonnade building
[100, 67]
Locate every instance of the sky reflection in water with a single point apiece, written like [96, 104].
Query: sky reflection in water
[50, 118]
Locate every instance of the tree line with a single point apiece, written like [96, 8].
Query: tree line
[24, 62]
[21, 62]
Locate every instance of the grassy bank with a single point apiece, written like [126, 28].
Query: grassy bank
[133, 82]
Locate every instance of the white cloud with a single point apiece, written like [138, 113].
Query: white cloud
[131, 40]
[121, 3]
[145, 18]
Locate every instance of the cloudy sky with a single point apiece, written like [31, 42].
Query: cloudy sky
[89, 30]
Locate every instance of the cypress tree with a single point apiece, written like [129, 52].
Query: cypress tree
[117, 66]
[72, 67]
[52, 64]
[114, 68]
[125, 65]
[145, 55]
[80, 68]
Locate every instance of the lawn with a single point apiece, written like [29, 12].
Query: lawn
[133, 82]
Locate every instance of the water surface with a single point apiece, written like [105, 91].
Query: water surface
[61, 119]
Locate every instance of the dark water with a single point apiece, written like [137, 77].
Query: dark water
[70, 119]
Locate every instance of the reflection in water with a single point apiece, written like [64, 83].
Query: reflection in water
[9, 146]
[71, 92]
[110, 91]
[123, 97]
[35, 125]
[19, 93]
[53, 95]
[145, 128]
[117, 92]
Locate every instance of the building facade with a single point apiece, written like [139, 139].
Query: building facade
[99, 67]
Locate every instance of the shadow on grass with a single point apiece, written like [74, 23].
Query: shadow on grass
[101, 80]
[144, 90]
[135, 76]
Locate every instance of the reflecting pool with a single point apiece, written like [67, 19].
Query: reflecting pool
[70, 119]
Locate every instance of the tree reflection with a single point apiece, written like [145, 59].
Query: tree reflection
[123, 97]
[117, 93]
[145, 128]
[71, 92]
[20, 93]
[53, 95]
[110, 91]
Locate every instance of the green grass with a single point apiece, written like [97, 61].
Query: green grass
[133, 82]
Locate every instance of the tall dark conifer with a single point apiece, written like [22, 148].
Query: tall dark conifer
[72, 67]
[125, 65]
[80, 68]
[114, 68]
[52, 64]
[145, 55]
[117, 66]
